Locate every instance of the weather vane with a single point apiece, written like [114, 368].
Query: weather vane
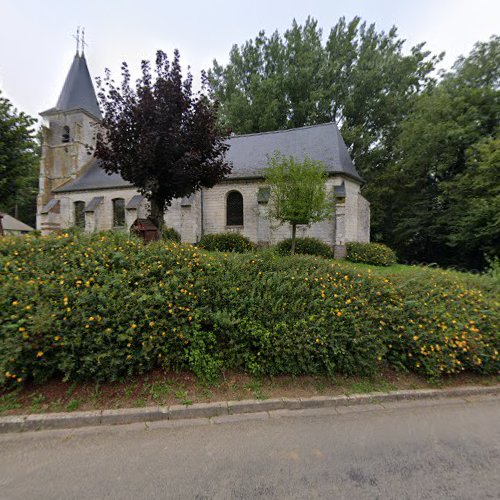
[83, 41]
[77, 38]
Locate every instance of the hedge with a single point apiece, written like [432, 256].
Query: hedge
[170, 234]
[226, 242]
[305, 246]
[103, 307]
[375, 254]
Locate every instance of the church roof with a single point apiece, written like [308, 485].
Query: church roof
[249, 154]
[93, 176]
[78, 91]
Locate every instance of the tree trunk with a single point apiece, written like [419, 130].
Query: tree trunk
[294, 231]
[156, 213]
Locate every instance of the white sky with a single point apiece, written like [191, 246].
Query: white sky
[36, 44]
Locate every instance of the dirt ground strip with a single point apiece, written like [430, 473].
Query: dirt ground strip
[161, 388]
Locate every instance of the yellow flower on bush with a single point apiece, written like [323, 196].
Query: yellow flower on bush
[39, 354]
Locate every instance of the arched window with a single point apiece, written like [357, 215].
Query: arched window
[118, 212]
[65, 134]
[234, 209]
[79, 207]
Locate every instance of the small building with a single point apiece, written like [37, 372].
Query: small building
[76, 191]
[11, 226]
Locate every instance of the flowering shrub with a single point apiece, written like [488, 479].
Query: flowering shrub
[102, 307]
[226, 242]
[308, 246]
[375, 254]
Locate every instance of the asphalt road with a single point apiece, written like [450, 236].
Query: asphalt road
[427, 449]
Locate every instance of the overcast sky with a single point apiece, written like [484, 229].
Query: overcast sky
[36, 44]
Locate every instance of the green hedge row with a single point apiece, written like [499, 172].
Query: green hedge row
[305, 246]
[226, 242]
[375, 254]
[104, 307]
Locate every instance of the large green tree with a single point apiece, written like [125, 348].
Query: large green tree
[19, 156]
[359, 77]
[159, 135]
[443, 184]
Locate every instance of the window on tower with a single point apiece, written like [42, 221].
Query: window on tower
[65, 134]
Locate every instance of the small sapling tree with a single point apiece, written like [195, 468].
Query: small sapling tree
[298, 193]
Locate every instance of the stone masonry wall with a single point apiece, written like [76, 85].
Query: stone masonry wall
[349, 223]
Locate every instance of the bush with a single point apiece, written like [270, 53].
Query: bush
[375, 254]
[170, 234]
[226, 242]
[308, 246]
[103, 307]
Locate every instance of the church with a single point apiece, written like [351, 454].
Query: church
[75, 191]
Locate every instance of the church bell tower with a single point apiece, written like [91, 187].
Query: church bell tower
[68, 135]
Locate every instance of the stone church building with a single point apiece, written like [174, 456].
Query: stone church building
[75, 191]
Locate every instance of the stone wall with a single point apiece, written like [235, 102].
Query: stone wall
[349, 223]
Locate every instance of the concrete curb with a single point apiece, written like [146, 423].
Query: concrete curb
[219, 410]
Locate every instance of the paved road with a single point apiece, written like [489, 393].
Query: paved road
[429, 449]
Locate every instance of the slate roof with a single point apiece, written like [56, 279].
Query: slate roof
[78, 91]
[94, 203]
[92, 177]
[9, 223]
[249, 155]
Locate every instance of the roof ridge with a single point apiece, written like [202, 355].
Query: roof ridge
[281, 131]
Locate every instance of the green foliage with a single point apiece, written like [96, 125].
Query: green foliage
[308, 246]
[359, 77]
[440, 200]
[19, 154]
[298, 192]
[493, 269]
[104, 307]
[170, 234]
[370, 253]
[427, 149]
[226, 242]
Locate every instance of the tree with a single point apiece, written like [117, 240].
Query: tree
[358, 77]
[19, 156]
[160, 136]
[298, 192]
[443, 184]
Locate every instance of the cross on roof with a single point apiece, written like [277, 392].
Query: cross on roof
[80, 39]
[83, 40]
[77, 38]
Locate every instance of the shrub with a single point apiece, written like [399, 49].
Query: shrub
[226, 242]
[103, 307]
[170, 234]
[375, 254]
[308, 246]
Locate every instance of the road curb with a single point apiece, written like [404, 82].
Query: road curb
[34, 422]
